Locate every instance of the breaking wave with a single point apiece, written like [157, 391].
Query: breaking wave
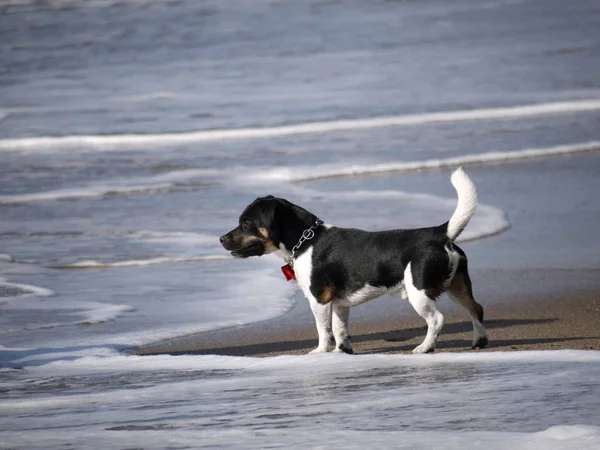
[10, 290]
[159, 183]
[311, 173]
[151, 141]
[93, 264]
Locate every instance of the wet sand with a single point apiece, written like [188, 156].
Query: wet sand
[515, 321]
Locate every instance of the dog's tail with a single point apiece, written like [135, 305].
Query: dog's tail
[467, 202]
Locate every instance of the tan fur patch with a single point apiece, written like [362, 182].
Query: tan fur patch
[270, 247]
[264, 232]
[327, 295]
[461, 288]
[249, 239]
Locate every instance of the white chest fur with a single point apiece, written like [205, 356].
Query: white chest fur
[303, 270]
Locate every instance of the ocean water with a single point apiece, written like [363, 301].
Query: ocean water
[132, 134]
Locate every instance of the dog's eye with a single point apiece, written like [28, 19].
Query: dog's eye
[246, 225]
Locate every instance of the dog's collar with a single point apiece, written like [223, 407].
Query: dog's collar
[307, 235]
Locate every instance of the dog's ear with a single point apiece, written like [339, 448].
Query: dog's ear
[276, 220]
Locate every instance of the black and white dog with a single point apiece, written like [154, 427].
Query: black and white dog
[338, 268]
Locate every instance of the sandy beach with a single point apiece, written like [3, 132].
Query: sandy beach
[533, 322]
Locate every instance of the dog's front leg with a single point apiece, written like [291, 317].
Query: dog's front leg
[341, 314]
[322, 315]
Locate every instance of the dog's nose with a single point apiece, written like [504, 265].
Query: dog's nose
[224, 238]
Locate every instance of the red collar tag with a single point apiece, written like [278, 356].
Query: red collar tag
[288, 272]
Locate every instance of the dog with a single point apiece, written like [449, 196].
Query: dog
[338, 268]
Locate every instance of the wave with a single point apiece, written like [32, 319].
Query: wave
[93, 313]
[299, 174]
[129, 141]
[158, 183]
[92, 264]
[180, 179]
[10, 290]
[149, 96]
[177, 237]
[36, 5]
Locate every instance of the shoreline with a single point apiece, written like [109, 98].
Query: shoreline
[537, 320]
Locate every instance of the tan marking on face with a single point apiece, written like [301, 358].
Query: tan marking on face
[327, 295]
[264, 232]
[243, 239]
[270, 247]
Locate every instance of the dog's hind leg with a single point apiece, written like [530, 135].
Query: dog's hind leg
[426, 308]
[461, 293]
[341, 315]
[322, 315]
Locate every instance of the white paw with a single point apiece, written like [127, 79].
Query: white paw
[423, 349]
[320, 350]
[346, 350]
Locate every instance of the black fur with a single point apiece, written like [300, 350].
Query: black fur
[347, 259]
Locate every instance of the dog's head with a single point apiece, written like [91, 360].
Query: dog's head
[257, 232]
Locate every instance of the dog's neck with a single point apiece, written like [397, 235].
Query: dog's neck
[295, 222]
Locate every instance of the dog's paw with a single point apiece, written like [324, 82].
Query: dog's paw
[320, 350]
[424, 349]
[344, 348]
[482, 342]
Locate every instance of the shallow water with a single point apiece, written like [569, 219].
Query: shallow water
[527, 400]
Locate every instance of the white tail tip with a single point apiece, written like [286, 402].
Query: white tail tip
[467, 202]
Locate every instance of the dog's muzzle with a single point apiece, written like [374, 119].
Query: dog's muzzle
[226, 241]
[243, 249]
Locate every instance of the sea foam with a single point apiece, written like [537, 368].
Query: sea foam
[9, 290]
[149, 184]
[311, 173]
[444, 400]
[92, 264]
[155, 141]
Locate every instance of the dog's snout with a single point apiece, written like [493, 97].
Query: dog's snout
[224, 238]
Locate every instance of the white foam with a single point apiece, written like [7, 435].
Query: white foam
[306, 363]
[148, 96]
[569, 433]
[312, 173]
[92, 264]
[298, 173]
[34, 5]
[174, 237]
[73, 193]
[314, 437]
[24, 290]
[136, 185]
[149, 141]
[103, 312]
[492, 400]
[84, 313]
